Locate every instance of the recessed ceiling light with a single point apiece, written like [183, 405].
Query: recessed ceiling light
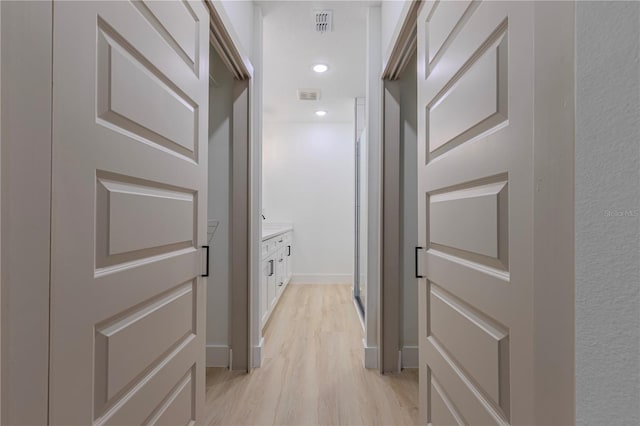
[321, 113]
[319, 68]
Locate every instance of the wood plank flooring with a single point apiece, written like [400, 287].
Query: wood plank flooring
[312, 371]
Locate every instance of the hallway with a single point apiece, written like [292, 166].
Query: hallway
[312, 371]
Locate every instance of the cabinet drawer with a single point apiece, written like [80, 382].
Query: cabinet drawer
[273, 244]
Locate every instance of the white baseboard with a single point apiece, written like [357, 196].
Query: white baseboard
[217, 356]
[322, 279]
[257, 354]
[370, 355]
[410, 357]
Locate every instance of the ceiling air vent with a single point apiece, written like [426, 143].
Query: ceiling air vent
[308, 94]
[323, 21]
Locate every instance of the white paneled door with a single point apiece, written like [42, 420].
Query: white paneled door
[475, 171]
[130, 103]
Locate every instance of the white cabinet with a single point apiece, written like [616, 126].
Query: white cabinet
[281, 272]
[265, 278]
[288, 263]
[277, 253]
[271, 283]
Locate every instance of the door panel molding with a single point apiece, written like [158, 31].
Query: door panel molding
[122, 105]
[173, 25]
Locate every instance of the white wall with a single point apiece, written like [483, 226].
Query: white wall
[240, 15]
[393, 13]
[409, 212]
[220, 114]
[308, 180]
[607, 203]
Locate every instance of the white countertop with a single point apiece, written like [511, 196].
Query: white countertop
[271, 230]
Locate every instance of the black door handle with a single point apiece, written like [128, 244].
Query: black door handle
[416, 260]
[206, 274]
[289, 247]
[271, 270]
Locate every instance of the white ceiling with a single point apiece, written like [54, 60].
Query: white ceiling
[291, 47]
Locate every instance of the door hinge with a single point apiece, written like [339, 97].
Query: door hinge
[417, 258]
[206, 261]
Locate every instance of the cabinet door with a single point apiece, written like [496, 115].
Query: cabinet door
[264, 278]
[289, 261]
[286, 266]
[281, 273]
[271, 281]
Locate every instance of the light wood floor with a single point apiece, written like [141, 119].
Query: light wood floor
[312, 372]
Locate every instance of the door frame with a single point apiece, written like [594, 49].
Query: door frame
[244, 228]
[389, 292]
[240, 289]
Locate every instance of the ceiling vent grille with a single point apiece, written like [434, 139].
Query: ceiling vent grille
[323, 21]
[308, 94]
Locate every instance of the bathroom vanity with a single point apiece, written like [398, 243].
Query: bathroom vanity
[277, 251]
